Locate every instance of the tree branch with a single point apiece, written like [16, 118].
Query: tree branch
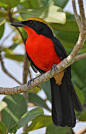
[25, 73]
[76, 15]
[21, 35]
[82, 15]
[82, 35]
[79, 57]
[6, 72]
[40, 79]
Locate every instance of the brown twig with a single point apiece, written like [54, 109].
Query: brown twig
[79, 57]
[5, 70]
[82, 35]
[29, 73]
[82, 15]
[25, 73]
[76, 15]
[15, 12]
[4, 12]
[11, 19]
[21, 35]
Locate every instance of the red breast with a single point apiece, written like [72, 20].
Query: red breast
[41, 50]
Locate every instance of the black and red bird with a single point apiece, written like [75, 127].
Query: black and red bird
[43, 51]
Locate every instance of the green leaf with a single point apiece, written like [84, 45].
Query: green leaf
[79, 73]
[2, 21]
[47, 89]
[2, 128]
[83, 116]
[40, 122]
[16, 57]
[2, 14]
[29, 4]
[9, 3]
[2, 105]
[29, 116]
[60, 3]
[13, 46]
[44, 2]
[2, 30]
[16, 107]
[84, 92]
[2, 26]
[80, 94]
[52, 129]
[8, 51]
[13, 130]
[48, 13]
[35, 99]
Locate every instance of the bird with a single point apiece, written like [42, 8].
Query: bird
[44, 51]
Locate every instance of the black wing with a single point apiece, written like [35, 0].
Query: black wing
[60, 51]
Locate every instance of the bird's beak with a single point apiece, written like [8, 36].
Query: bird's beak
[17, 24]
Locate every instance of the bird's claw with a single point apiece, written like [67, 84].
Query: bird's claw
[54, 68]
[29, 83]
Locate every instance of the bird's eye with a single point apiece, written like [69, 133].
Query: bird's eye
[31, 22]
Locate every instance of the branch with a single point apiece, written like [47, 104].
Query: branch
[25, 68]
[76, 15]
[79, 57]
[4, 12]
[11, 19]
[5, 71]
[21, 35]
[81, 8]
[82, 35]
[25, 73]
[40, 79]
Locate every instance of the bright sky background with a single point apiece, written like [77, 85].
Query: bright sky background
[15, 68]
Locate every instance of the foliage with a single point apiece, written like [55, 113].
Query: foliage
[14, 107]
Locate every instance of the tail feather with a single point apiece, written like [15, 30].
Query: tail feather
[76, 102]
[64, 100]
[57, 113]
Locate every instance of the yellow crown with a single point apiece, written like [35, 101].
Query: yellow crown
[38, 19]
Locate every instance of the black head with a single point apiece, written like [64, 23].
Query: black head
[39, 25]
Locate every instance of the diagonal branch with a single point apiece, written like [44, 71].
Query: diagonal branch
[79, 57]
[40, 79]
[5, 70]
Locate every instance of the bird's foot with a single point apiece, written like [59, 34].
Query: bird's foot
[54, 68]
[29, 83]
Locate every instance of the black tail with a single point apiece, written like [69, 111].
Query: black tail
[64, 101]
